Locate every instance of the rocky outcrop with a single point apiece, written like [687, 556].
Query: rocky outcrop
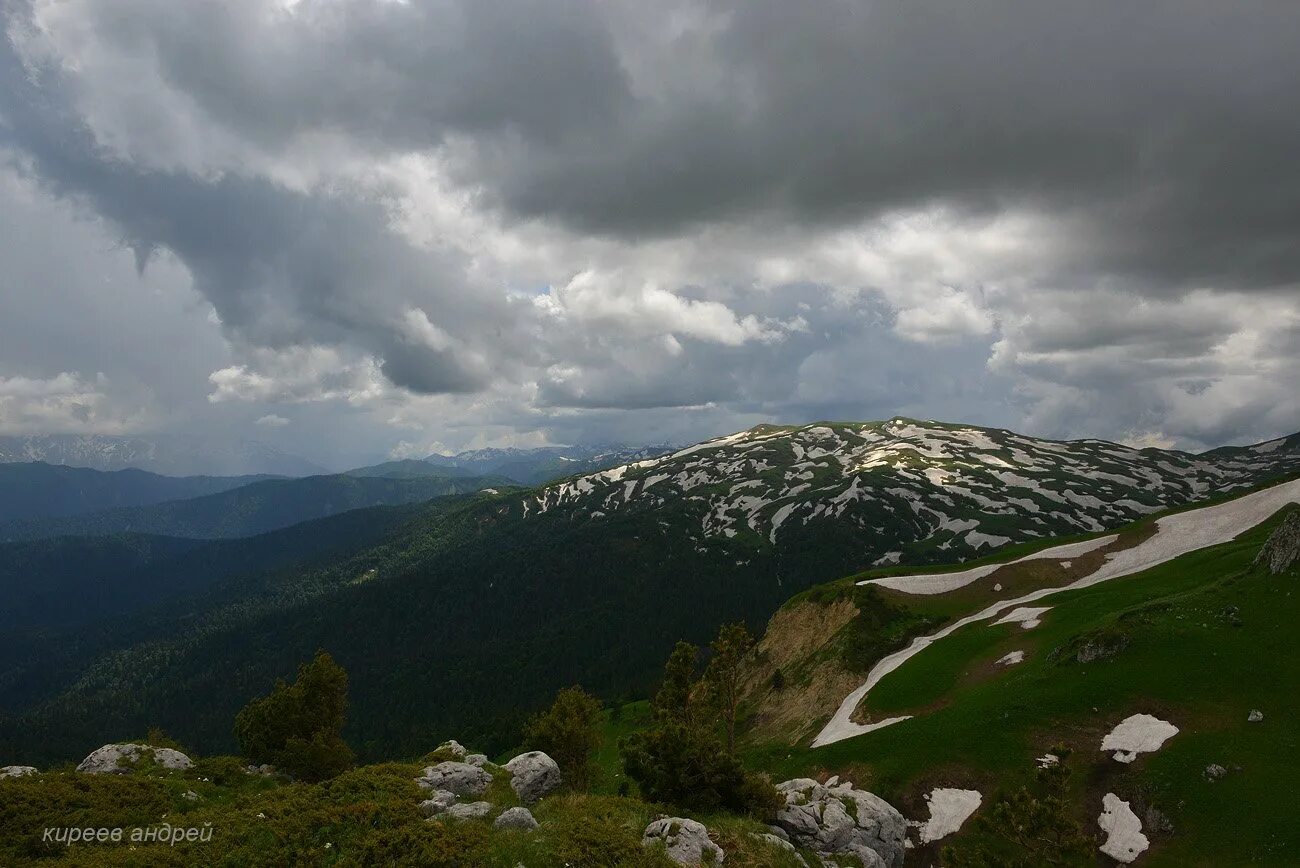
[452, 748]
[1282, 549]
[437, 803]
[778, 840]
[840, 818]
[461, 779]
[476, 759]
[117, 759]
[516, 818]
[17, 771]
[469, 810]
[686, 841]
[533, 775]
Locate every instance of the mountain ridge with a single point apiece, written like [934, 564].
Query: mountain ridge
[166, 455]
[478, 608]
[257, 507]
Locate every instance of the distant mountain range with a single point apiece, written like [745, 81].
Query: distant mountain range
[472, 610]
[254, 507]
[171, 456]
[184, 456]
[38, 490]
[545, 463]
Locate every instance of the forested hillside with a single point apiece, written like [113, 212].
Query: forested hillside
[477, 610]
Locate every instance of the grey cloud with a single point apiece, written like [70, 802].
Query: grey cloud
[1152, 142]
[1160, 131]
[281, 268]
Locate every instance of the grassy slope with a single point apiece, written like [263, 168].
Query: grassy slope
[367, 816]
[981, 727]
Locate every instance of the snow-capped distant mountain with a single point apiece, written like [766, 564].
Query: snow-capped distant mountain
[170, 456]
[909, 491]
[545, 463]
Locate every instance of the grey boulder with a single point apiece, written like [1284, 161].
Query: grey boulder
[454, 748]
[119, 759]
[533, 775]
[685, 841]
[437, 803]
[842, 819]
[462, 779]
[17, 771]
[516, 818]
[469, 810]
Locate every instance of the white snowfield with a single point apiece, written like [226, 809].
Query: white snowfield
[1026, 616]
[942, 583]
[1124, 838]
[1175, 535]
[1011, 658]
[949, 809]
[1140, 733]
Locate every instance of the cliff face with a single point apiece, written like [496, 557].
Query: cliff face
[1282, 549]
[799, 643]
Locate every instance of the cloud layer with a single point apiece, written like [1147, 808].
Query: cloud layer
[454, 223]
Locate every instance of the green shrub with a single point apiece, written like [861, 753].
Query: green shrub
[688, 766]
[158, 738]
[570, 732]
[297, 728]
[1030, 827]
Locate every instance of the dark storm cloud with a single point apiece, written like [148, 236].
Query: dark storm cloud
[281, 268]
[1162, 128]
[1150, 144]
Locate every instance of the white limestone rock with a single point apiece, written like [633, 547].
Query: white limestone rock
[842, 819]
[437, 803]
[686, 841]
[533, 775]
[459, 778]
[469, 810]
[17, 771]
[120, 759]
[516, 818]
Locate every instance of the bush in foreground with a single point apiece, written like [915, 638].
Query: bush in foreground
[297, 728]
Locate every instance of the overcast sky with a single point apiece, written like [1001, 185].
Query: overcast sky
[357, 228]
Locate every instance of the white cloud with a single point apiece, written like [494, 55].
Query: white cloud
[67, 403]
[299, 375]
[271, 420]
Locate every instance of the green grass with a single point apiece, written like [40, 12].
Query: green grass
[367, 816]
[982, 726]
[630, 717]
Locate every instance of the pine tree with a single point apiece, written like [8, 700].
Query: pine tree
[569, 731]
[724, 673]
[298, 727]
